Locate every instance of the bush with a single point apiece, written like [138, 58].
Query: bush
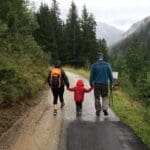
[144, 88]
[21, 74]
[12, 86]
[127, 86]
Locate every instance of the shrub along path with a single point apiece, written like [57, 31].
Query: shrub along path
[38, 129]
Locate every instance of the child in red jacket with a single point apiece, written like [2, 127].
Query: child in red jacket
[79, 91]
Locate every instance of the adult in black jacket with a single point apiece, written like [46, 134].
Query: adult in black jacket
[58, 91]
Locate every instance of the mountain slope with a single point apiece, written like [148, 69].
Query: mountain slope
[139, 31]
[109, 33]
[137, 27]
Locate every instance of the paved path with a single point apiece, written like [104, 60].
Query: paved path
[38, 129]
[95, 133]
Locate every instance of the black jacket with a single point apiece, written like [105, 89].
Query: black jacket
[64, 79]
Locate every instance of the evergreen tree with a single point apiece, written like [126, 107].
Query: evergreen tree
[20, 21]
[135, 61]
[85, 36]
[72, 37]
[43, 33]
[89, 44]
[49, 33]
[102, 47]
[56, 30]
[138, 69]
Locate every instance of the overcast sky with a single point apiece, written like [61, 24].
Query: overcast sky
[119, 13]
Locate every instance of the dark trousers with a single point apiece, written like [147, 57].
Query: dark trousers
[101, 90]
[78, 107]
[58, 92]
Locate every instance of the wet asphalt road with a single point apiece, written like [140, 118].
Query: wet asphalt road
[89, 132]
[101, 136]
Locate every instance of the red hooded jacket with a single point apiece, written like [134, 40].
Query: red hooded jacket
[79, 91]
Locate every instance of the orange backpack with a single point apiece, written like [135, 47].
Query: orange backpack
[55, 77]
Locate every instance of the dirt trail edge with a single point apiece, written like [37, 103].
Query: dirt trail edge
[38, 129]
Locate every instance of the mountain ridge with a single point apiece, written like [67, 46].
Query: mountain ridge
[136, 26]
[139, 31]
[111, 34]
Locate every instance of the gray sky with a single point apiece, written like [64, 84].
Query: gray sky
[119, 13]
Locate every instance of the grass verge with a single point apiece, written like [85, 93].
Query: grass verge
[80, 71]
[134, 114]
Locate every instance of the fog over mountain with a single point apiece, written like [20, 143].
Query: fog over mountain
[136, 27]
[140, 31]
[111, 34]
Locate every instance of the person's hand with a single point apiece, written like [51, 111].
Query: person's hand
[111, 87]
[91, 84]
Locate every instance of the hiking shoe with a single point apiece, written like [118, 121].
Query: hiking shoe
[97, 113]
[55, 112]
[62, 105]
[78, 114]
[105, 112]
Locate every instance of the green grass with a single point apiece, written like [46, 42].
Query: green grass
[80, 71]
[134, 114]
[130, 111]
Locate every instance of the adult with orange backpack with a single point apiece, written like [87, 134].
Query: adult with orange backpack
[57, 79]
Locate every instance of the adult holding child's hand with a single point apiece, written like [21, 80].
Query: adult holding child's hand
[100, 74]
